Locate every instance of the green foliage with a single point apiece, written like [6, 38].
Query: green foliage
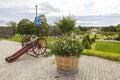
[54, 31]
[105, 46]
[86, 42]
[44, 26]
[76, 30]
[99, 36]
[66, 24]
[88, 38]
[109, 33]
[110, 28]
[26, 27]
[50, 39]
[82, 32]
[108, 38]
[117, 37]
[67, 47]
[86, 28]
[107, 55]
[118, 27]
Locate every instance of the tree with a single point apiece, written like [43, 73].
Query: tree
[118, 27]
[54, 31]
[110, 28]
[44, 27]
[13, 25]
[66, 24]
[77, 30]
[26, 27]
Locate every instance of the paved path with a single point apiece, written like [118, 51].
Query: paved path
[42, 68]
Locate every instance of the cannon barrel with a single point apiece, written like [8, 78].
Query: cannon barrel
[23, 50]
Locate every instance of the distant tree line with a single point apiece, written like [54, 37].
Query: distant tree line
[63, 25]
[110, 28]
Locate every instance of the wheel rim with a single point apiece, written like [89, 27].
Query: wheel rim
[40, 47]
[27, 39]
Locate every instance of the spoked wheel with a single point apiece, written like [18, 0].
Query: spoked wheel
[27, 39]
[40, 47]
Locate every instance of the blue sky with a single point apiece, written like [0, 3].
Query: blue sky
[86, 12]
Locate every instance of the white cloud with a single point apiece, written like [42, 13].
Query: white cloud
[17, 9]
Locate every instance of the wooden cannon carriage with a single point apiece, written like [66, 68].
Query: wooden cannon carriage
[37, 45]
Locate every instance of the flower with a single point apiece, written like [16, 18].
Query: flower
[67, 47]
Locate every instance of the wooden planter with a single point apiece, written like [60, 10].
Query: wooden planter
[67, 64]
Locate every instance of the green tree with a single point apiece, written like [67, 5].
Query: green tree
[13, 25]
[66, 24]
[44, 26]
[110, 28]
[77, 30]
[26, 27]
[55, 31]
[118, 27]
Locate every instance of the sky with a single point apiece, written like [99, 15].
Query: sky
[86, 12]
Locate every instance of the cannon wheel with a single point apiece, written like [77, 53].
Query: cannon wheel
[27, 39]
[40, 47]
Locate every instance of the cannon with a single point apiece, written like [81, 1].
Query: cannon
[38, 50]
[37, 45]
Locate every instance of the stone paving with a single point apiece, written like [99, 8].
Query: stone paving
[31, 68]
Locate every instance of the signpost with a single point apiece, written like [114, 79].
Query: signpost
[37, 22]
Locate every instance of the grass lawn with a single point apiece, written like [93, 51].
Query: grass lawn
[16, 38]
[49, 39]
[0, 38]
[105, 46]
[107, 55]
[105, 49]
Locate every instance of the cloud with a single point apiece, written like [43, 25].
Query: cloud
[87, 12]
[98, 20]
[15, 14]
[49, 8]
[92, 20]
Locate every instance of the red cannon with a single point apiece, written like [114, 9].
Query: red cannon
[37, 45]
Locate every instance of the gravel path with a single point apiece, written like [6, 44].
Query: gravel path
[31, 68]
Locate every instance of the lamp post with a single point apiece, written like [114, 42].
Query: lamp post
[36, 10]
[37, 22]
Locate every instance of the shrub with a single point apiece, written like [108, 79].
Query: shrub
[108, 38]
[109, 33]
[117, 37]
[67, 47]
[88, 38]
[94, 38]
[86, 42]
[66, 24]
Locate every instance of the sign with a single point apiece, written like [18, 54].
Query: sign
[37, 21]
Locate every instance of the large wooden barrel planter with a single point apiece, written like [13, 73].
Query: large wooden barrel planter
[67, 65]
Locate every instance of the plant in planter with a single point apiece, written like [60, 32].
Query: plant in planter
[67, 52]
